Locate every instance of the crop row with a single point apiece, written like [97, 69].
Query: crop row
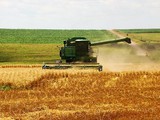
[49, 36]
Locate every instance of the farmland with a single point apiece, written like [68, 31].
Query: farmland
[144, 35]
[88, 94]
[147, 39]
[36, 46]
[49, 36]
[28, 53]
[128, 87]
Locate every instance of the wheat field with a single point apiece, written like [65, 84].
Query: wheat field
[36, 94]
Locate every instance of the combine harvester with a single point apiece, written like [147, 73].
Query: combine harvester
[78, 53]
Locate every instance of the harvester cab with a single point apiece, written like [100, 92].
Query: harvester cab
[77, 53]
[77, 49]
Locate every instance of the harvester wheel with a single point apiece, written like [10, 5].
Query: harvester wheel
[43, 67]
[100, 68]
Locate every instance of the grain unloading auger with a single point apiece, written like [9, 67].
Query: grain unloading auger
[77, 53]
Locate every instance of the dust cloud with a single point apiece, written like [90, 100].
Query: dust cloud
[139, 51]
[118, 58]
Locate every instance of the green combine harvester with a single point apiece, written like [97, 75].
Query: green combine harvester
[78, 53]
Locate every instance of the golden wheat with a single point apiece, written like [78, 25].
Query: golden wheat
[74, 94]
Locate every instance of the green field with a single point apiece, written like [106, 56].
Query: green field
[37, 46]
[140, 30]
[24, 46]
[28, 53]
[50, 36]
[144, 35]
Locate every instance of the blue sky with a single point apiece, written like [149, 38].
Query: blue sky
[79, 14]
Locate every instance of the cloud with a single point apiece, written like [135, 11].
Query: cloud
[79, 13]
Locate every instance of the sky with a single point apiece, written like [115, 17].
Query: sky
[79, 14]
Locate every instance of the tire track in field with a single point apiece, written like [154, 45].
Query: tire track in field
[117, 33]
